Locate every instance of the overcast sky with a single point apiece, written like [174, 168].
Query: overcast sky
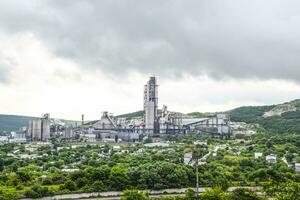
[73, 57]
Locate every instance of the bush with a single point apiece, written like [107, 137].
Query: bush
[37, 191]
[190, 194]
[243, 194]
[214, 194]
[98, 186]
[134, 195]
[69, 185]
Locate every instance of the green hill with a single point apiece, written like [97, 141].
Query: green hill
[279, 118]
[13, 122]
[276, 118]
[137, 114]
[200, 115]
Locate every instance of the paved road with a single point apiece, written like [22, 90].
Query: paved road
[116, 195]
[117, 198]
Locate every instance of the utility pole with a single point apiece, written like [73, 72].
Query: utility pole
[198, 152]
[195, 156]
[197, 178]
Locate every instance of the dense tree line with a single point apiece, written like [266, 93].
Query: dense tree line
[155, 169]
[284, 192]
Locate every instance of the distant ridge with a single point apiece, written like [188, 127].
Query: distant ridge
[279, 118]
[13, 122]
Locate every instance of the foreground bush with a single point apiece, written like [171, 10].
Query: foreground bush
[37, 191]
[243, 194]
[134, 195]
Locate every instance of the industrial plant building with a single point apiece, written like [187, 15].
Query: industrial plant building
[42, 129]
[39, 129]
[151, 104]
[114, 129]
[110, 129]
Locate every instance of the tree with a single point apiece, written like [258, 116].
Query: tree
[243, 194]
[81, 182]
[119, 178]
[269, 144]
[37, 191]
[285, 191]
[23, 175]
[1, 164]
[98, 186]
[214, 194]
[69, 185]
[190, 194]
[134, 195]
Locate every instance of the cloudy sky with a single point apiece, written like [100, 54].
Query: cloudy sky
[83, 56]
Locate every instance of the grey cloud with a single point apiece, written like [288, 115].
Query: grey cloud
[236, 39]
[6, 65]
[3, 73]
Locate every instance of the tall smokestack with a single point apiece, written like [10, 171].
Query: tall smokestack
[82, 119]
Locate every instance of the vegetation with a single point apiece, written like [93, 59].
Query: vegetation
[13, 122]
[201, 115]
[210, 194]
[42, 170]
[134, 195]
[288, 122]
[137, 114]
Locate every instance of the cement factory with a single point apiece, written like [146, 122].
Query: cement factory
[152, 122]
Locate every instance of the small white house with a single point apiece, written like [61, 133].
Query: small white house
[156, 144]
[188, 158]
[90, 137]
[70, 170]
[238, 153]
[271, 158]
[116, 148]
[3, 139]
[297, 167]
[17, 140]
[200, 142]
[109, 140]
[61, 148]
[257, 155]
[141, 150]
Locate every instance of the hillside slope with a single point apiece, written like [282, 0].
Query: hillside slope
[275, 118]
[13, 122]
[280, 109]
[279, 118]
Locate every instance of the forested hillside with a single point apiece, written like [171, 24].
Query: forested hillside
[283, 118]
[136, 114]
[13, 122]
[276, 118]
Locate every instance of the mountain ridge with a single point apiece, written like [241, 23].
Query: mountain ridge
[10, 122]
[284, 117]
